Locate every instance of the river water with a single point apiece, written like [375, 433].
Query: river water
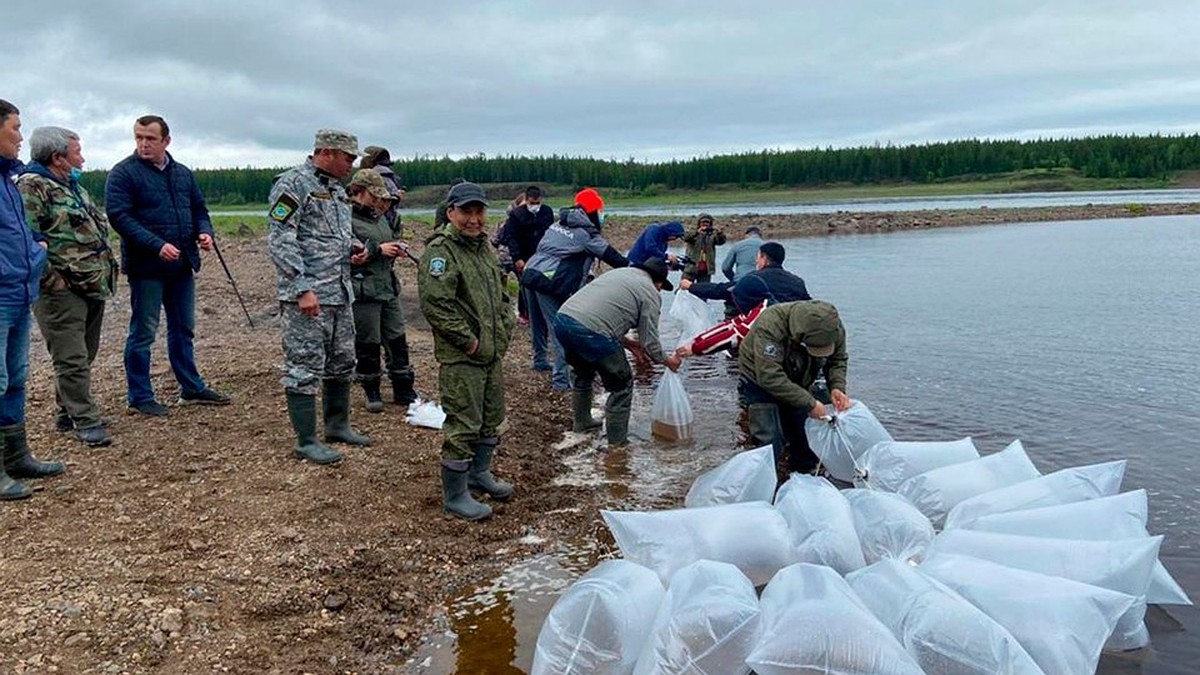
[1080, 338]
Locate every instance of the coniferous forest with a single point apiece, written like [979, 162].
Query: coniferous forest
[1119, 157]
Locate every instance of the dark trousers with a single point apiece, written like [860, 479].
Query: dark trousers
[590, 355]
[70, 325]
[147, 299]
[780, 426]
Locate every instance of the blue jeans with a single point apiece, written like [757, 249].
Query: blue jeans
[14, 362]
[146, 296]
[539, 328]
[560, 377]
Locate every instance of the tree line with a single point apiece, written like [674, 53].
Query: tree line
[1112, 156]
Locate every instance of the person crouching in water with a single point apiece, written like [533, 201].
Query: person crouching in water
[378, 318]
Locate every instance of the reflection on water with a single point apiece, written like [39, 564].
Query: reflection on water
[1078, 338]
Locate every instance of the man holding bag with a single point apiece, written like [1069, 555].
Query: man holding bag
[591, 326]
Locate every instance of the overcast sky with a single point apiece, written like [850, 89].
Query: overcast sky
[247, 83]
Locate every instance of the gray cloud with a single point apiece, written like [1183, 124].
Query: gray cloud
[246, 83]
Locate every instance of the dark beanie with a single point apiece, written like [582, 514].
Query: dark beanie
[773, 251]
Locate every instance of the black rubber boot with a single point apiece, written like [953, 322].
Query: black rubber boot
[335, 403]
[400, 371]
[63, 422]
[581, 403]
[481, 478]
[18, 463]
[374, 399]
[302, 410]
[456, 499]
[402, 388]
[616, 416]
[12, 489]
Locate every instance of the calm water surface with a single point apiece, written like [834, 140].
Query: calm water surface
[1079, 338]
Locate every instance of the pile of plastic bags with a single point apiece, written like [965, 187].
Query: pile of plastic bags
[1031, 573]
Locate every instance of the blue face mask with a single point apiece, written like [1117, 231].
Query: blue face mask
[601, 218]
[76, 174]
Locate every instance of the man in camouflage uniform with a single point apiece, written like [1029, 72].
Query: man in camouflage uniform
[790, 347]
[78, 279]
[462, 296]
[311, 243]
[702, 244]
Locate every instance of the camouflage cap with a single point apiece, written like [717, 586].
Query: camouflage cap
[377, 155]
[332, 139]
[372, 182]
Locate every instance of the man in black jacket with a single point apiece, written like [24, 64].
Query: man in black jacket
[154, 203]
[769, 281]
[522, 231]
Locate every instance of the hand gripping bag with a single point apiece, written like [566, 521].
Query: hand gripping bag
[752, 536]
[890, 463]
[746, 477]
[888, 527]
[1123, 565]
[706, 624]
[941, 631]
[1061, 487]
[1121, 516]
[820, 523]
[600, 622]
[813, 623]
[840, 443]
[1063, 624]
[936, 492]
[671, 415]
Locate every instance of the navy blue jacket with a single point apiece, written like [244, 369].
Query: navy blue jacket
[771, 283]
[652, 242]
[149, 208]
[21, 258]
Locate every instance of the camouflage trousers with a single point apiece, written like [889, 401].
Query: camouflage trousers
[473, 399]
[316, 347]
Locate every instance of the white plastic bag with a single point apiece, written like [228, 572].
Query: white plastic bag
[1061, 487]
[752, 536]
[936, 492]
[600, 623]
[691, 314]
[671, 415]
[820, 523]
[943, 632]
[1121, 516]
[813, 623]
[706, 625]
[1123, 565]
[840, 444]
[890, 463]
[888, 526]
[1063, 624]
[746, 477]
[425, 414]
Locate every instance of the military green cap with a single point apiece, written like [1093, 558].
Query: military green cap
[820, 338]
[372, 182]
[332, 139]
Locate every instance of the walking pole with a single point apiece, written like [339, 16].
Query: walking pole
[233, 283]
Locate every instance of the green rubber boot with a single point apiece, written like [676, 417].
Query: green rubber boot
[18, 462]
[616, 416]
[581, 403]
[481, 478]
[374, 398]
[12, 489]
[302, 411]
[456, 498]
[335, 403]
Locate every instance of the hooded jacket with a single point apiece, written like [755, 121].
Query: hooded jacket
[652, 242]
[773, 362]
[21, 258]
[150, 207]
[565, 256]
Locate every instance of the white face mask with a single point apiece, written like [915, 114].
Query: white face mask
[534, 208]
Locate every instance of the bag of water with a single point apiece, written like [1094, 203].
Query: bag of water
[746, 477]
[820, 523]
[841, 442]
[671, 415]
[890, 463]
[888, 526]
[936, 492]
[1061, 487]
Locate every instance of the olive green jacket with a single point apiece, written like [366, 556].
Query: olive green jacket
[462, 296]
[773, 357]
[373, 280]
[702, 245]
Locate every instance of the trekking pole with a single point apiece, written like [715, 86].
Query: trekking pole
[233, 283]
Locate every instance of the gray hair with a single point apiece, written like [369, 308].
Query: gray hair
[46, 142]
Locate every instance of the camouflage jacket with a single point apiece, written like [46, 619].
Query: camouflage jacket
[702, 247]
[462, 296]
[373, 280]
[309, 236]
[773, 361]
[77, 247]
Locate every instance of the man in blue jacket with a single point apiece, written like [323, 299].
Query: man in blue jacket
[653, 242]
[153, 202]
[22, 257]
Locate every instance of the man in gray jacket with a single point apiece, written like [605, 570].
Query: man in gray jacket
[742, 258]
[591, 327]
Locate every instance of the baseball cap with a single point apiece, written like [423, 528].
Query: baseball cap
[332, 139]
[657, 269]
[370, 180]
[465, 193]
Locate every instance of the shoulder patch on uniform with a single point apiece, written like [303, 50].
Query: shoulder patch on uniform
[770, 350]
[283, 208]
[437, 267]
